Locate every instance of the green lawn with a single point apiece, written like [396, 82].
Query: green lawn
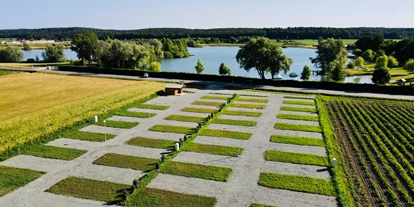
[216, 97]
[13, 178]
[297, 183]
[199, 110]
[258, 100]
[89, 136]
[296, 158]
[294, 102]
[297, 140]
[207, 103]
[126, 161]
[298, 117]
[148, 197]
[5, 72]
[186, 118]
[53, 152]
[213, 149]
[172, 129]
[151, 143]
[299, 97]
[226, 134]
[234, 122]
[241, 113]
[298, 127]
[197, 171]
[117, 124]
[150, 106]
[288, 108]
[89, 189]
[247, 106]
[135, 114]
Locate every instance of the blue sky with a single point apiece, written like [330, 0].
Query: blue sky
[135, 14]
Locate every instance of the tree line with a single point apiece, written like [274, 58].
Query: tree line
[224, 34]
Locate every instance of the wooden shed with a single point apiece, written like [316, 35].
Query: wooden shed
[174, 89]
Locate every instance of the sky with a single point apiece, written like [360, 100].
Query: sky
[137, 14]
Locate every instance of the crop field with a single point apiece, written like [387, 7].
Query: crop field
[376, 139]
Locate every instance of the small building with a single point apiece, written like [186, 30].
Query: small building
[174, 89]
[401, 82]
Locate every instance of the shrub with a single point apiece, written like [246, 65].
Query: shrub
[382, 62]
[392, 62]
[359, 62]
[409, 66]
[30, 60]
[368, 55]
[381, 76]
[155, 67]
[351, 65]
[306, 72]
[224, 70]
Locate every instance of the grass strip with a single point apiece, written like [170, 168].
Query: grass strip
[213, 149]
[207, 103]
[297, 183]
[89, 136]
[197, 171]
[196, 85]
[135, 114]
[297, 140]
[186, 118]
[234, 122]
[226, 134]
[53, 152]
[199, 110]
[298, 127]
[260, 205]
[296, 158]
[306, 103]
[89, 189]
[12, 178]
[258, 100]
[149, 197]
[298, 117]
[172, 129]
[247, 106]
[151, 143]
[242, 113]
[126, 161]
[216, 97]
[117, 124]
[299, 97]
[288, 108]
[150, 106]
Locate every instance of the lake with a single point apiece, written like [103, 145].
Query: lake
[212, 57]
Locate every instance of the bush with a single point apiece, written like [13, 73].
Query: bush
[359, 62]
[368, 55]
[224, 70]
[381, 76]
[392, 62]
[155, 67]
[409, 66]
[30, 60]
[382, 62]
[306, 72]
[11, 54]
[351, 65]
[337, 73]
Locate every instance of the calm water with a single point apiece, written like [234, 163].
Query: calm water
[212, 57]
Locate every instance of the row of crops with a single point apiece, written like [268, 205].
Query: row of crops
[376, 140]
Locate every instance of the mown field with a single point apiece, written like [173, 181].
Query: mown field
[376, 141]
[37, 105]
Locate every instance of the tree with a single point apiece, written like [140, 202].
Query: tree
[337, 73]
[26, 46]
[409, 66]
[155, 67]
[382, 62]
[331, 53]
[392, 62]
[37, 59]
[351, 65]
[264, 55]
[381, 76]
[84, 45]
[54, 53]
[199, 67]
[306, 72]
[224, 70]
[11, 54]
[368, 55]
[359, 62]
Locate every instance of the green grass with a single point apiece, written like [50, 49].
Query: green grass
[306, 103]
[186, 118]
[89, 136]
[296, 158]
[135, 114]
[117, 124]
[297, 140]
[216, 97]
[150, 106]
[53, 152]
[199, 110]
[247, 106]
[298, 117]
[213, 149]
[288, 108]
[12, 178]
[226, 134]
[197, 171]
[298, 127]
[151, 143]
[126, 161]
[207, 103]
[297, 183]
[260, 205]
[160, 198]
[5, 72]
[299, 97]
[234, 122]
[89, 189]
[315, 41]
[241, 113]
[258, 100]
[172, 129]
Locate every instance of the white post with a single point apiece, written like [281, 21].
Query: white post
[333, 162]
[96, 119]
[177, 146]
[105, 126]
